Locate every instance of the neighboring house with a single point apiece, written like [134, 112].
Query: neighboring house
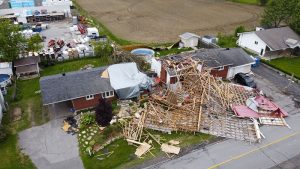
[269, 42]
[82, 89]
[27, 67]
[224, 63]
[189, 40]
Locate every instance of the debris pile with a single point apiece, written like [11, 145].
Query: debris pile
[199, 102]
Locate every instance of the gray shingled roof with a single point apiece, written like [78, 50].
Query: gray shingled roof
[214, 58]
[276, 38]
[27, 61]
[222, 57]
[73, 85]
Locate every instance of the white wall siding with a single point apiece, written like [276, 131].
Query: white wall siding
[232, 71]
[247, 40]
[156, 66]
[191, 42]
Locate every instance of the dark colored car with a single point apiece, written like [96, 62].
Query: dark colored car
[245, 80]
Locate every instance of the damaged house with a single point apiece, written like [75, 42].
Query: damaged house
[83, 89]
[223, 63]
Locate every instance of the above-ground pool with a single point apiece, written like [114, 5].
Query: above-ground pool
[147, 53]
[143, 51]
[4, 78]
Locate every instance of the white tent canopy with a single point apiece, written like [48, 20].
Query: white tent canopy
[127, 80]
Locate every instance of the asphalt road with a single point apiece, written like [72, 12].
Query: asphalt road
[281, 145]
[278, 80]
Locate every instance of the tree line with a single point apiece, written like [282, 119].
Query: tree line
[282, 12]
[13, 42]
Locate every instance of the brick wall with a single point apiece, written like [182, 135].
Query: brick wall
[219, 73]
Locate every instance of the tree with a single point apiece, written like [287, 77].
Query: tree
[239, 29]
[104, 112]
[102, 49]
[278, 12]
[263, 2]
[12, 42]
[34, 43]
[295, 20]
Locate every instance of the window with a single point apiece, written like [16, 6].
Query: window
[89, 97]
[221, 68]
[107, 94]
[256, 42]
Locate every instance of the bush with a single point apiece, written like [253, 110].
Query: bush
[87, 119]
[239, 29]
[227, 41]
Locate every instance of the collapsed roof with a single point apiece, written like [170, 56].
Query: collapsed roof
[214, 58]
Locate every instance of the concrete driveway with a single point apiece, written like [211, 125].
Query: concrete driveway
[280, 147]
[49, 147]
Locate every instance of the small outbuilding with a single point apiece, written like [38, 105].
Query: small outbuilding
[189, 40]
[27, 67]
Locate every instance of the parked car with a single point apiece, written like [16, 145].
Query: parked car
[245, 80]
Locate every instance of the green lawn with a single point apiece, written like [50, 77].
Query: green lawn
[123, 154]
[287, 64]
[172, 51]
[227, 41]
[252, 2]
[30, 103]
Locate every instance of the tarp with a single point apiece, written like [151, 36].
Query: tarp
[127, 80]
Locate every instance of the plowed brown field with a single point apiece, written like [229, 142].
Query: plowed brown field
[163, 20]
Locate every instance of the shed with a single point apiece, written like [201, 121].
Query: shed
[27, 67]
[189, 40]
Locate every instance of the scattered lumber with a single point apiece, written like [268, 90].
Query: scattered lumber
[170, 149]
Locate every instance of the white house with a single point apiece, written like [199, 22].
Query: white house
[269, 41]
[189, 40]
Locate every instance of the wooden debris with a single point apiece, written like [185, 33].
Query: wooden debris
[174, 142]
[142, 149]
[66, 126]
[17, 114]
[170, 149]
[275, 121]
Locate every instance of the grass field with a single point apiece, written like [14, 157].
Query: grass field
[288, 65]
[31, 105]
